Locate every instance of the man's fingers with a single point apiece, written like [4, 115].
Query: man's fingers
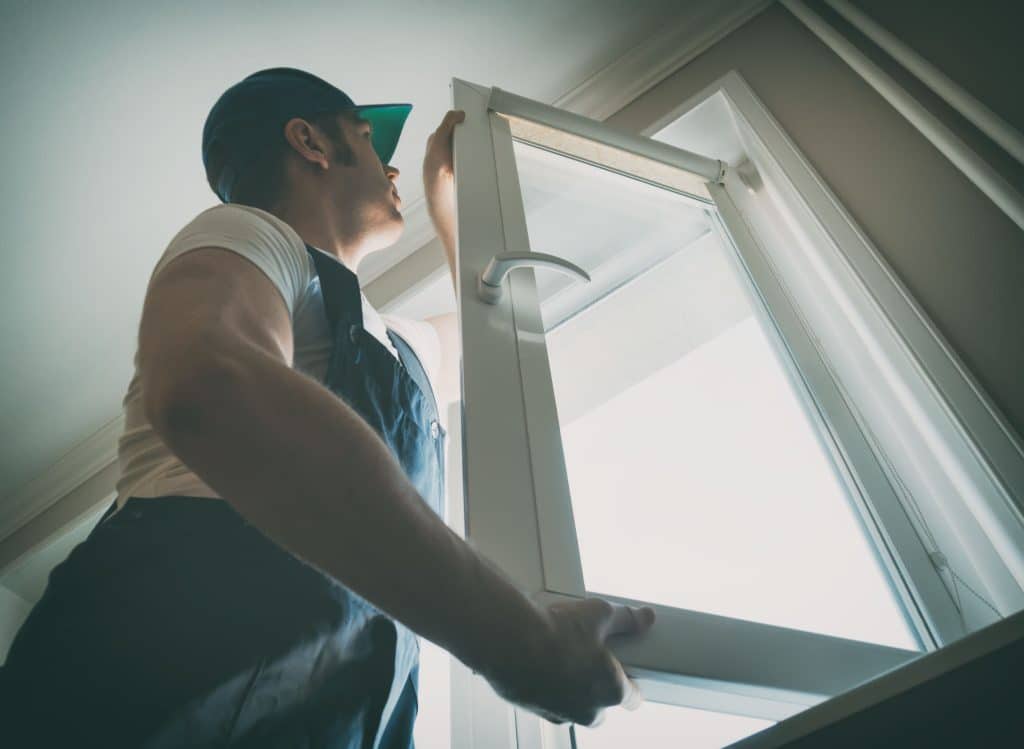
[627, 620]
[605, 618]
[453, 116]
[450, 120]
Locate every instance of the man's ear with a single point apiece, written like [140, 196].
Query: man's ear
[306, 141]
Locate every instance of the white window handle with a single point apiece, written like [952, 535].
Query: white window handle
[489, 282]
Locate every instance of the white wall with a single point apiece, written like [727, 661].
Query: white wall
[959, 255]
[975, 44]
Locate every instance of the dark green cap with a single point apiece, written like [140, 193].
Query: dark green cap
[250, 114]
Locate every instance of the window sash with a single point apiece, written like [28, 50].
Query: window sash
[518, 507]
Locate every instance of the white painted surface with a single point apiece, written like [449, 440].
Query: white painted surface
[956, 96]
[984, 176]
[658, 726]
[950, 456]
[433, 728]
[959, 256]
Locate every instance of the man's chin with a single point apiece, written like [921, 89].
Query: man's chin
[391, 232]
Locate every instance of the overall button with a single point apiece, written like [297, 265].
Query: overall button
[353, 333]
[435, 429]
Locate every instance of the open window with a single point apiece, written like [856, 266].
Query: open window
[690, 382]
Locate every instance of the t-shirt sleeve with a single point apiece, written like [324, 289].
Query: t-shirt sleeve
[260, 237]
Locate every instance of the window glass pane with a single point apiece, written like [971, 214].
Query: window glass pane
[697, 479]
[658, 726]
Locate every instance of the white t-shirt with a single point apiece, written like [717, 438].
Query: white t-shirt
[148, 468]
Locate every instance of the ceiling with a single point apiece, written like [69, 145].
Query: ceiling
[105, 102]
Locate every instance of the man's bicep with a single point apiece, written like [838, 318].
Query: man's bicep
[209, 298]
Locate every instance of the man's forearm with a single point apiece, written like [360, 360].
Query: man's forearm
[305, 469]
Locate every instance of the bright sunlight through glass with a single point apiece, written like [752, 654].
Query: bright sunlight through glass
[698, 480]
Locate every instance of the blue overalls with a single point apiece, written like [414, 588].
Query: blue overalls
[176, 623]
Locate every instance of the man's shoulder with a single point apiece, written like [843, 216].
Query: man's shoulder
[261, 237]
[240, 227]
[232, 218]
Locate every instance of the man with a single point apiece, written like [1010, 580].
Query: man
[276, 539]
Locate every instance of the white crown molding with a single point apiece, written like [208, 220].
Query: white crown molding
[698, 27]
[78, 465]
[606, 92]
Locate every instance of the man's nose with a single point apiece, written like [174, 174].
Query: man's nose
[392, 172]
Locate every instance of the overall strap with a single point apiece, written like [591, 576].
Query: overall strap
[414, 367]
[339, 287]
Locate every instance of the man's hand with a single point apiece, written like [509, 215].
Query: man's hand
[567, 672]
[439, 189]
[438, 170]
[439, 183]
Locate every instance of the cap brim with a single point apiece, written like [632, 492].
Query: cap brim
[387, 121]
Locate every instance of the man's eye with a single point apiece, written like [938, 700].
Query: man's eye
[368, 134]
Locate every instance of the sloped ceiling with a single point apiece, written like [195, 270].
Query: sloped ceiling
[104, 104]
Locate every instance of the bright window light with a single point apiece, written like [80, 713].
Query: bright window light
[698, 480]
[711, 487]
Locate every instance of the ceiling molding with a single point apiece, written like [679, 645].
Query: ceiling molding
[606, 92]
[69, 518]
[78, 465]
[404, 280]
[698, 27]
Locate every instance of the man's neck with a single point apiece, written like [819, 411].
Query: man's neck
[323, 230]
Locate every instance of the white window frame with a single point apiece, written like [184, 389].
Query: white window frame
[517, 508]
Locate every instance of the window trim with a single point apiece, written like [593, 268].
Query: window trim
[976, 437]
